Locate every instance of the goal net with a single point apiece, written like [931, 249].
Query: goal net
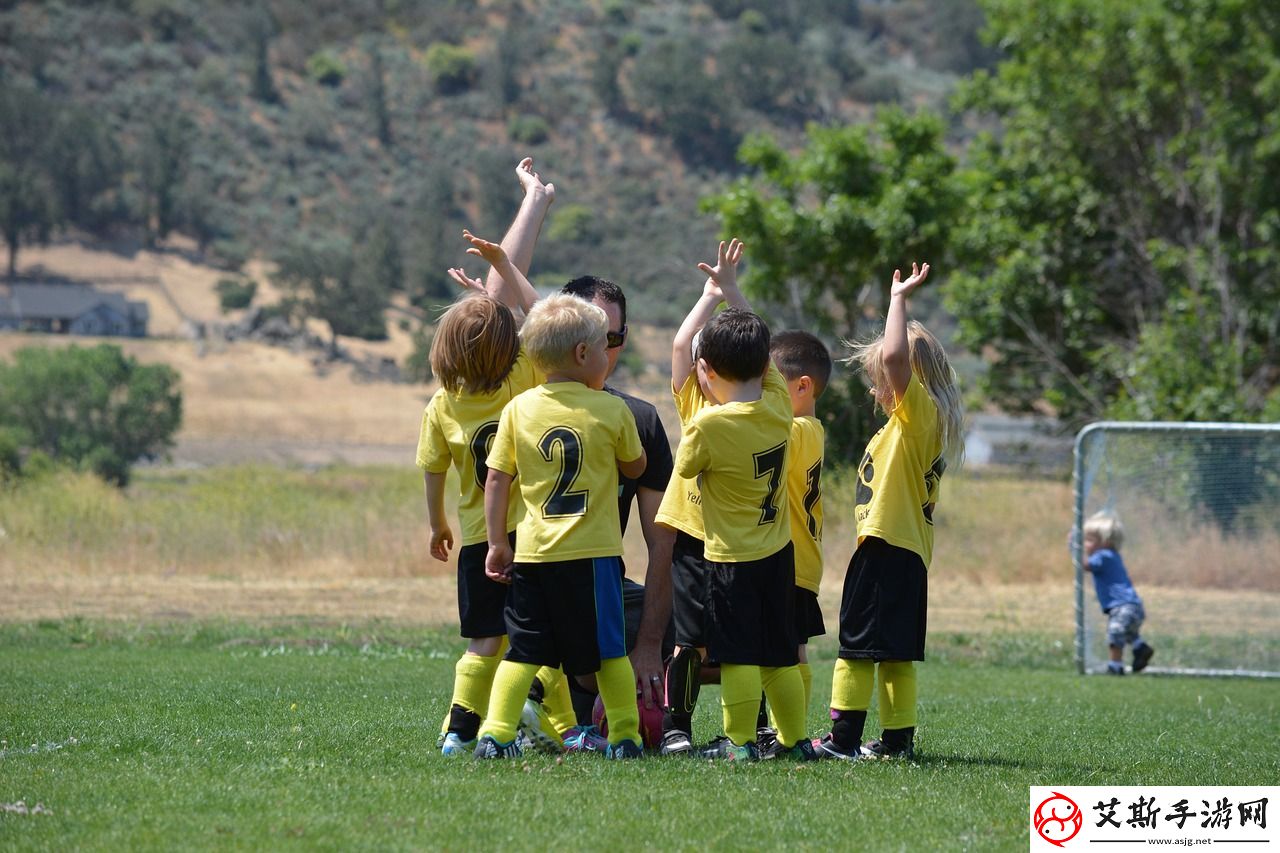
[1200, 509]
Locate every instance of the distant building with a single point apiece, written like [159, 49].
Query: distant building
[70, 309]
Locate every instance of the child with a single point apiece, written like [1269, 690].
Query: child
[681, 511]
[883, 608]
[739, 448]
[566, 440]
[805, 364]
[1103, 536]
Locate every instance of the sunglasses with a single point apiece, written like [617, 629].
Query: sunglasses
[613, 340]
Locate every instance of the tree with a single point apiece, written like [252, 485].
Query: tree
[162, 157]
[672, 90]
[318, 272]
[28, 192]
[1127, 216]
[94, 408]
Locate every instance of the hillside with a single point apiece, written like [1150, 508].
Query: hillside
[254, 125]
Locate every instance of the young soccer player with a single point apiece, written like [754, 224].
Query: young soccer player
[805, 364]
[681, 511]
[1103, 535]
[883, 608]
[738, 447]
[567, 441]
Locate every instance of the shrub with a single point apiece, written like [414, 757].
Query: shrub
[529, 130]
[326, 68]
[235, 293]
[574, 223]
[452, 68]
[417, 365]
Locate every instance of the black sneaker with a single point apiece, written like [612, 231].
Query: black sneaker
[877, 749]
[767, 743]
[1142, 657]
[675, 742]
[826, 747]
[724, 749]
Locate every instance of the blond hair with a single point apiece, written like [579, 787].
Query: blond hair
[475, 345]
[556, 325]
[1105, 529]
[929, 364]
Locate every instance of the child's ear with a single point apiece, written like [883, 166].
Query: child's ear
[705, 368]
[805, 385]
[580, 353]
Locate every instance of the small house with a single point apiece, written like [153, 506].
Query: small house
[71, 309]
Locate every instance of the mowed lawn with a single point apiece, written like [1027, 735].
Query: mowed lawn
[312, 736]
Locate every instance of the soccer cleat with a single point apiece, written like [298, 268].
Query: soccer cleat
[488, 747]
[585, 739]
[624, 750]
[1142, 657]
[676, 742]
[535, 724]
[826, 747]
[726, 750]
[451, 744]
[878, 749]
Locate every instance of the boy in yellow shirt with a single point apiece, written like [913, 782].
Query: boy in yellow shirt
[738, 449]
[567, 441]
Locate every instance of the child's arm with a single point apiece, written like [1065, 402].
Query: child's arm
[441, 535]
[721, 285]
[497, 495]
[509, 286]
[895, 352]
[521, 237]
[633, 469]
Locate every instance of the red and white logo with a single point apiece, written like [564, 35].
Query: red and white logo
[1057, 819]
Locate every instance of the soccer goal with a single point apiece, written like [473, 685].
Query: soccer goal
[1200, 506]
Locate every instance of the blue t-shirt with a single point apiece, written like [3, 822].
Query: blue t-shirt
[1111, 580]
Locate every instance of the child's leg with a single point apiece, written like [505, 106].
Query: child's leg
[806, 675]
[851, 687]
[510, 688]
[617, 681]
[740, 700]
[556, 698]
[897, 703]
[683, 683]
[785, 689]
[472, 684]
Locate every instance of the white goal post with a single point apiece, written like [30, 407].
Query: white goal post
[1200, 508]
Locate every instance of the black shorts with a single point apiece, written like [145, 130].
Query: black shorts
[884, 605]
[689, 591]
[567, 614]
[480, 600]
[751, 610]
[808, 616]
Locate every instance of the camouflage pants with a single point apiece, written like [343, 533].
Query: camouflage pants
[1124, 622]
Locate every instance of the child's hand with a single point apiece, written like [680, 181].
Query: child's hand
[441, 543]
[491, 252]
[724, 275]
[460, 276]
[903, 288]
[497, 563]
[531, 183]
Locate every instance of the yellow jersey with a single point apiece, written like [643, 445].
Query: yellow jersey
[565, 441]
[804, 495]
[681, 505]
[740, 452]
[900, 476]
[457, 429]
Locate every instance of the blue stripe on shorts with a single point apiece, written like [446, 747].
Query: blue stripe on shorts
[611, 634]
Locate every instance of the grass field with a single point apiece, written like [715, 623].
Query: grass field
[229, 735]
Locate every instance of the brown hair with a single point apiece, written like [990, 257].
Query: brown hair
[475, 345]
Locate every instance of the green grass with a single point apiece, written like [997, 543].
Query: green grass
[222, 735]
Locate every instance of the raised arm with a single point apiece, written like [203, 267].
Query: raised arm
[522, 236]
[505, 283]
[721, 285]
[895, 352]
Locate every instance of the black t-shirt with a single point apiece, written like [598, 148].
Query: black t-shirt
[653, 438]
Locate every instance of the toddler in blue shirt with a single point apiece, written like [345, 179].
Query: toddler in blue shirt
[1103, 535]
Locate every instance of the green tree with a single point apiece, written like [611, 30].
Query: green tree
[672, 90]
[318, 271]
[162, 160]
[29, 209]
[1127, 215]
[437, 222]
[93, 408]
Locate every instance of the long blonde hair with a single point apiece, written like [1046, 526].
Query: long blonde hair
[931, 367]
[475, 346]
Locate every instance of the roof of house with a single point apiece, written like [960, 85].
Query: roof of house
[63, 301]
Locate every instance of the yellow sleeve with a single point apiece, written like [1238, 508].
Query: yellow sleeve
[916, 409]
[524, 374]
[692, 458]
[502, 455]
[433, 445]
[690, 399]
[628, 448]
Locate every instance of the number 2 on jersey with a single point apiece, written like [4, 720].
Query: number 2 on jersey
[769, 463]
[563, 503]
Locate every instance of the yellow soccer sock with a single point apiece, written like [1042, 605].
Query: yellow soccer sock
[851, 685]
[511, 685]
[740, 701]
[473, 681]
[806, 675]
[617, 683]
[785, 689]
[897, 694]
[556, 699]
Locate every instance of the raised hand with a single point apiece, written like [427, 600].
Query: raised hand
[460, 276]
[904, 288]
[724, 275]
[491, 252]
[531, 182]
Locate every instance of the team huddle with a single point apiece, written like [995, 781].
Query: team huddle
[548, 459]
